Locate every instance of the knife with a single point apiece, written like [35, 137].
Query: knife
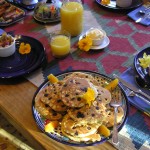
[133, 88]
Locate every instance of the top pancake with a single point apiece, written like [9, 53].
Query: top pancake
[73, 89]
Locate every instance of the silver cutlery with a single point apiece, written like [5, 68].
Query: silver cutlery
[137, 91]
[146, 15]
[132, 94]
[144, 10]
[115, 103]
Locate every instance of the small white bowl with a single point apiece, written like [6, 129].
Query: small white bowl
[97, 36]
[8, 50]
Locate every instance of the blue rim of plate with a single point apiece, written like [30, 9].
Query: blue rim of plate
[62, 139]
[18, 64]
[142, 73]
[112, 5]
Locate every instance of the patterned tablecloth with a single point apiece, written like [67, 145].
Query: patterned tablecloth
[126, 39]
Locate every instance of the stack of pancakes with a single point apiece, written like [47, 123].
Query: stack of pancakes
[63, 101]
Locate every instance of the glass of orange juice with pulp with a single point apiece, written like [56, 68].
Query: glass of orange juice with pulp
[71, 14]
[60, 43]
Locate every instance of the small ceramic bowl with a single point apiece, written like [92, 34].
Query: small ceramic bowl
[8, 50]
[97, 35]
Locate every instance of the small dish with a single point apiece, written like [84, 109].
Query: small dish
[46, 12]
[97, 35]
[113, 6]
[104, 43]
[9, 49]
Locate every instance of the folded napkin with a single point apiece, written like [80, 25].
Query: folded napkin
[129, 76]
[135, 15]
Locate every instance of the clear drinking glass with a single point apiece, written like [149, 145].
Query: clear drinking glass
[60, 43]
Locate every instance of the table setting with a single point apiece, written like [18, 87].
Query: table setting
[99, 43]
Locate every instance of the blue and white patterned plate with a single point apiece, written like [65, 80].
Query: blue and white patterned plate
[57, 135]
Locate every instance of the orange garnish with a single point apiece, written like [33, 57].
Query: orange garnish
[24, 48]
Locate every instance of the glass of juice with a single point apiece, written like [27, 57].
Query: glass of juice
[60, 43]
[71, 14]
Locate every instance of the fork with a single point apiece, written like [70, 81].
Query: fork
[115, 103]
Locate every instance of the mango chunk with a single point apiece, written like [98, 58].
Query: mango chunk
[51, 126]
[103, 130]
[52, 78]
[112, 85]
[105, 2]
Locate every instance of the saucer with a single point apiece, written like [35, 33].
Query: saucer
[104, 44]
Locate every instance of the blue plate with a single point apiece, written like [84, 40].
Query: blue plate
[142, 73]
[18, 64]
[57, 134]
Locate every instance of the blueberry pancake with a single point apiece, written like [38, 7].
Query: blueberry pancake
[103, 96]
[73, 89]
[51, 96]
[93, 137]
[46, 111]
[96, 113]
[73, 128]
[110, 117]
[84, 76]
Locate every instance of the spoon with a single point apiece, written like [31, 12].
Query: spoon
[144, 11]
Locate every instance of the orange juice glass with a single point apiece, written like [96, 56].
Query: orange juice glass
[60, 44]
[71, 14]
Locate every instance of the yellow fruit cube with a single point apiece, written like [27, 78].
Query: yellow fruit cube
[103, 130]
[51, 126]
[52, 78]
[112, 85]
[105, 2]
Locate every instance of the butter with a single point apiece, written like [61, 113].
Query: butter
[95, 34]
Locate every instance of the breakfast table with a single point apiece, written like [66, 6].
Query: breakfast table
[126, 38]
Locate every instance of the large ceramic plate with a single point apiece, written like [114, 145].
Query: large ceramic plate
[18, 64]
[113, 6]
[142, 73]
[57, 135]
